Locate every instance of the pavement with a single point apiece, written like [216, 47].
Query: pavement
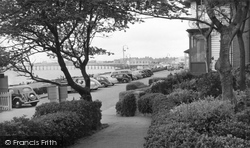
[122, 132]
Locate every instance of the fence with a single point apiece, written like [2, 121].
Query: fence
[5, 101]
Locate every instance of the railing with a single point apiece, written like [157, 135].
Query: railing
[5, 101]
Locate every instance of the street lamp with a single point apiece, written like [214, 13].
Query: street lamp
[123, 52]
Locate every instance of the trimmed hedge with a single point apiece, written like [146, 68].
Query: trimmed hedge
[200, 123]
[41, 90]
[145, 103]
[127, 107]
[89, 112]
[66, 121]
[135, 85]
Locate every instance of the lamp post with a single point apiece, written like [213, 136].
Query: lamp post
[123, 53]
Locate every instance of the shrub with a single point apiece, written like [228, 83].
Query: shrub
[155, 79]
[209, 84]
[179, 96]
[244, 116]
[203, 114]
[161, 103]
[233, 127]
[64, 126]
[68, 125]
[145, 102]
[127, 106]
[124, 93]
[187, 84]
[118, 107]
[135, 85]
[89, 112]
[164, 87]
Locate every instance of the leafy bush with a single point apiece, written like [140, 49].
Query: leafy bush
[179, 96]
[209, 84]
[135, 85]
[164, 87]
[244, 116]
[145, 103]
[203, 114]
[187, 84]
[124, 93]
[155, 79]
[127, 106]
[89, 112]
[64, 126]
[161, 103]
[233, 127]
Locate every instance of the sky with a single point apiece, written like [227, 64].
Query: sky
[155, 38]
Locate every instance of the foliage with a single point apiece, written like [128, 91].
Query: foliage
[127, 106]
[89, 112]
[124, 93]
[209, 84]
[145, 103]
[65, 126]
[179, 96]
[202, 115]
[135, 85]
[155, 79]
[61, 29]
[187, 84]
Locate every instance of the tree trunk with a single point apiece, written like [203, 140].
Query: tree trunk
[224, 67]
[242, 61]
[87, 81]
[84, 92]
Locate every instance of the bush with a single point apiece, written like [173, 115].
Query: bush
[209, 84]
[161, 103]
[204, 114]
[89, 112]
[127, 106]
[179, 96]
[244, 116]
[155, 79]
[135, 85]
[65, 124]
[187, 84]
[145, 103]
[124, 93]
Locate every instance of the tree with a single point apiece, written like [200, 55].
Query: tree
[62, 29]
[226, 17]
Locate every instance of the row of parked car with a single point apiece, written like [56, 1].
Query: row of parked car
[24, 94]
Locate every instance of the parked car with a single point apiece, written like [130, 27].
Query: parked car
[123, 78]
[23, 94]
[94, 84]
[111, 79]
[122, 71]
[147, 72]
[104, 81]
[137, 74]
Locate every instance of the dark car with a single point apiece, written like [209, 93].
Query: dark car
[104, 81]
[123, 78]
[23, 94]
[147, 72]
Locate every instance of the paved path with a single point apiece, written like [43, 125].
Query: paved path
[122, 132]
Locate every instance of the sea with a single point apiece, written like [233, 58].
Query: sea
[14, 78]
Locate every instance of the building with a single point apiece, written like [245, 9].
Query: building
[197, 51]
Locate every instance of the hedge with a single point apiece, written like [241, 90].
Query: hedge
[135, 85]
[127, 107]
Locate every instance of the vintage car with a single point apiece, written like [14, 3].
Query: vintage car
[23, 94]
[104, 81]
[123, 78]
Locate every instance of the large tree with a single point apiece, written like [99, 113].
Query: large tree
[62, 29]
[226, 17]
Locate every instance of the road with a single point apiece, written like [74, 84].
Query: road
[108, 96]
